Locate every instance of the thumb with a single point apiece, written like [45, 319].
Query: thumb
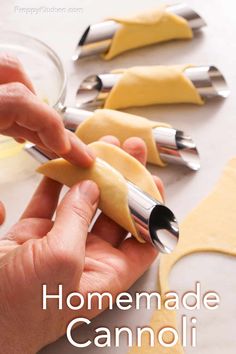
[2, 213]
[68, 236]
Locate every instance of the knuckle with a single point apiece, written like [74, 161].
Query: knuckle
[83, 211]
[17, 91]
[11, 61]
[57, 123]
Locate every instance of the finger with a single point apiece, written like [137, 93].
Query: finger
[110, 139]
[11, 70]
[138, 257]
[17, 132]
[2, 213]
[44, 201]
[79, 153]
[19, 106]
[136, 147]
[107, 230]
[50, 154]
[21, 133]
[74, 156]
[28, 229]
[69, 233]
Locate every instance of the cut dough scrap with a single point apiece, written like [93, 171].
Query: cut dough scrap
[148, 28]
[148, 85]
[122, 125]
[109, 176]
[210, 227]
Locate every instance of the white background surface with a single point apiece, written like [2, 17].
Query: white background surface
[212, 126]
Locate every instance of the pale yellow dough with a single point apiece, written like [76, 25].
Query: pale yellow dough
[122, 125]
[149, 85]
[109, 177]
[210, 227]
[148, 28]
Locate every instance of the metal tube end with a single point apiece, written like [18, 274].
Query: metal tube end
[209, 81]
[154, 222]
[78, 49]
[76, 54]
[176, 147]
[195, 21]
[94, 90]
[163, 228]
[95, 40]
[88, 92]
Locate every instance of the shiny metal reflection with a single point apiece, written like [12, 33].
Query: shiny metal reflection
[177, 148]
[154, 221]
[36, 153]
[183, 10]
[208, 80]
[94, 90]
[97, 38]
[73, 117]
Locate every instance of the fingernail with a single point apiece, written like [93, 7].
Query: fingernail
[89, 190]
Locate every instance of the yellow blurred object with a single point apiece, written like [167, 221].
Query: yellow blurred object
[9, 147]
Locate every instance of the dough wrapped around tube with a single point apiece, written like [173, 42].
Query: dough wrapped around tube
[147, 28]
[110, 171]
[122, 125]
[149, 85]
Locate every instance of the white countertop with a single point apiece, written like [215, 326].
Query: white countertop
[212, 126]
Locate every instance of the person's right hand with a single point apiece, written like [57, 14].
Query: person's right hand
[39, 251]
[24, 116]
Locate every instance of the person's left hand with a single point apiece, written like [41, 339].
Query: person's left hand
[37, 251]
[23, 116]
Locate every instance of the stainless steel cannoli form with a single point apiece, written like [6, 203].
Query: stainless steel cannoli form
[97, 38]
[154, 222]
[94, 90]
[174, 146]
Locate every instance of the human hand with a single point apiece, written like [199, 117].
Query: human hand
[37, 251]
[23, 116]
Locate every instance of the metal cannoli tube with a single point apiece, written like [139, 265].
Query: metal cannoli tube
[173, 145]
[97, 38]
[200, 83]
